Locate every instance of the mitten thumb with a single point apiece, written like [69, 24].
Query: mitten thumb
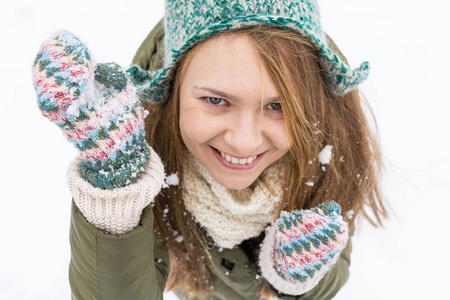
[329, 208]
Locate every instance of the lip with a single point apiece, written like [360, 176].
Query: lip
[231, 166]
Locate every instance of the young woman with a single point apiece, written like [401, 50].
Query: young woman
[254, 113]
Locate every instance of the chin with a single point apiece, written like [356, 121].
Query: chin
[235, 183]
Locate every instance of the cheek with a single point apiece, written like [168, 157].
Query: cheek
[196, 126]
[279, 136]
[188, 125]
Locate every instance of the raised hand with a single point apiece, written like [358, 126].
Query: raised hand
[96, 107]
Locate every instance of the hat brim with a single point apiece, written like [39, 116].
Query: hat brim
[155, 85]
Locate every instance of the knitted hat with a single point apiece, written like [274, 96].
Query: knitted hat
[188, 22]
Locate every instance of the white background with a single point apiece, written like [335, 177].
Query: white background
[407, 44]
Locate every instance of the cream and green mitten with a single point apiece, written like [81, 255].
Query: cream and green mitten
[96, 107]
[301, 247]
[116, 173]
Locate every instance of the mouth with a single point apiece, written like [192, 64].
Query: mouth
[234, 162]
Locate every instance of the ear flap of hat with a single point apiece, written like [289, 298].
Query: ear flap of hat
[334, 48]
[150, 55]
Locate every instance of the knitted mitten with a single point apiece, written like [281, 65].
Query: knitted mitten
[96, 107]
[301, 246]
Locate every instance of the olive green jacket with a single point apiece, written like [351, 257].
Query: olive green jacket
[135, 266]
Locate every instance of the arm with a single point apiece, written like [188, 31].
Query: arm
[108, 266]
[114, 178]
[133, 265]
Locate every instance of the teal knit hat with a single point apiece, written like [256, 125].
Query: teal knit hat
[188, 22]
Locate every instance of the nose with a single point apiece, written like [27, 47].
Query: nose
[245, 134]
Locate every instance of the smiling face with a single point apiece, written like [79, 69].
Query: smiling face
[230, 116]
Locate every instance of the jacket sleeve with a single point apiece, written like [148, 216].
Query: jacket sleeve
[109, 266]
[328, 286]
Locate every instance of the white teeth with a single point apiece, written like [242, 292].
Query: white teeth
[235, 160]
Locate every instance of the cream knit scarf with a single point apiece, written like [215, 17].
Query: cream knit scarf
[232, 216]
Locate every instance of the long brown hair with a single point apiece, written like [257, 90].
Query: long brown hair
[314, 118]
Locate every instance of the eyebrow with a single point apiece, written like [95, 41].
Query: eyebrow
[223, 94]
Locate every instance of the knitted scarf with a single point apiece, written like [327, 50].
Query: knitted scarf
[232, 216]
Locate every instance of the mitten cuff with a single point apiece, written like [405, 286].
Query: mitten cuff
[269, 271]
[118, 210]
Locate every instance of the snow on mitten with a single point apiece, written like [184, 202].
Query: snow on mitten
[301, 246]
[96, 107]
